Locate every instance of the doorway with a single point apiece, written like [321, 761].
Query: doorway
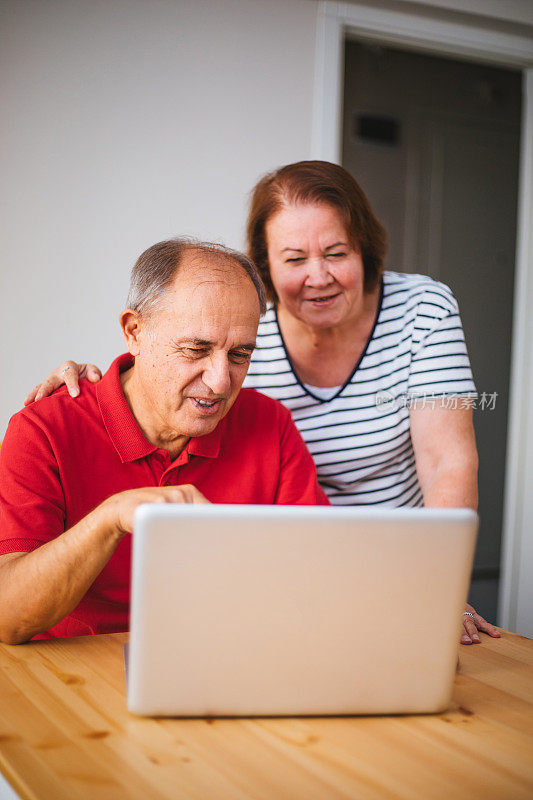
[435, 143]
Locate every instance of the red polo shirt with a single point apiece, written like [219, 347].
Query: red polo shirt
[62, 457]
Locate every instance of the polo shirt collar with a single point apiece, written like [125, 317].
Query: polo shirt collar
[208, 445]
[123, 429]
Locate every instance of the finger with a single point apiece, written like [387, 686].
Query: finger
[486, 627]
[465, 638]
[470, 630]
[32, 395]
[198, 497]
[48, 386]
[172, 494]
[482, 624]
[93, 373]
[186, 493]
[194, 495]
[72, 383]
[68, 374]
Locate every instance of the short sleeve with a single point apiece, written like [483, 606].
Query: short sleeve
[298, 483]
[439, 359]
[32, 504]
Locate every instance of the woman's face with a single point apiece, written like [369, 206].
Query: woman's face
[317, 274]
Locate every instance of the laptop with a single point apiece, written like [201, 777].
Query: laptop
[241, 610]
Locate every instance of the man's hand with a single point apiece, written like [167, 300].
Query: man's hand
[61, 571]
[69, 373]
[118, 509]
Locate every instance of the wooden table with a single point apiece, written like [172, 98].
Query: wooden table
[65, 733]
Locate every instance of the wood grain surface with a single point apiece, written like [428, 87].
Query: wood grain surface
[65, 733]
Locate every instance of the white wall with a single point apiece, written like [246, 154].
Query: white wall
[125, 122]
[520, 11]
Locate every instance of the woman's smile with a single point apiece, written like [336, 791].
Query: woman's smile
[323, 300]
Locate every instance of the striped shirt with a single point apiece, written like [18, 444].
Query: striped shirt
[359, 433]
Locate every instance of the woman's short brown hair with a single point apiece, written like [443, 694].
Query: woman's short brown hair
[316, 182]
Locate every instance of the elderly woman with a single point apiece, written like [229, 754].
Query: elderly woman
[371, 363]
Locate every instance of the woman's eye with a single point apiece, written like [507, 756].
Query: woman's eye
[336, 255]
[294, 260]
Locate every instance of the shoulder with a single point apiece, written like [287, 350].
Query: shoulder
[53, 414]
[32, 434]
[418, 291]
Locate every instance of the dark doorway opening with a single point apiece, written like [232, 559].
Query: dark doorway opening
[435, 143]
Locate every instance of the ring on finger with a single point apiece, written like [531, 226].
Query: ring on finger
[468, 614]
[65, 369]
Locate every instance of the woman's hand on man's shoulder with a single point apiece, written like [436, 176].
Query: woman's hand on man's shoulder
[69, 373]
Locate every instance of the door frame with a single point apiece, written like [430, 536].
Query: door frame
[439, 34]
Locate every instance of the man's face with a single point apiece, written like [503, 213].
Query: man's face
[194, 352]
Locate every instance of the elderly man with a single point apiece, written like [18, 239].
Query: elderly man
[167, 423]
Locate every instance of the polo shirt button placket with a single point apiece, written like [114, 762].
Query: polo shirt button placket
[162, 459]
[170, 477]
[170, 474]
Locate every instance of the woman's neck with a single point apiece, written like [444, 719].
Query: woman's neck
[327, 356]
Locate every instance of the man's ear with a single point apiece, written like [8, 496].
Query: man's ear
[131, 324]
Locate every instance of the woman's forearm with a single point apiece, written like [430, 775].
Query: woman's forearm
[452, 486]
[446, 456]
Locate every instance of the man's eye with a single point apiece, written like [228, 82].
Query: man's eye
[194, 352]
[240, 356]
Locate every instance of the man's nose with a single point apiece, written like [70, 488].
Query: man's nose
[318, 273]
[216, 375]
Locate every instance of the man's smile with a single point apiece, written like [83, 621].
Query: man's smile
[206, 407]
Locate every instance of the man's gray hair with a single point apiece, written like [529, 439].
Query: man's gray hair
[156, 268]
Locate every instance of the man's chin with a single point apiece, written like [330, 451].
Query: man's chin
[201, 421]
[202, 425]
